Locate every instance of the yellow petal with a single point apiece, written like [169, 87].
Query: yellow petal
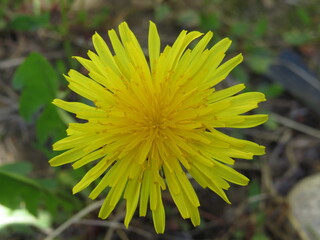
[218, 95]
[91, 175]
[145, 192]
[132, 193]
[222, 71]
[104, 52]
[158, 217]
[67, 157]
[153, 45]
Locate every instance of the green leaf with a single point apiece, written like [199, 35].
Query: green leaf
[32, 199]
[261, 27]
[22, 168]
[11, 217]
[238, 234]
[99, 18]
[297, 38]
[210, 22]
[61, 68]
[259, 63]
[239, 28]
[260, 236]
[271, 124]
[304, 16]
[49, 125]
[254, 190]
[49, 128]
[82, 16]
[17, 188]
[38, 82]
[34, 194]
[271, 90]
[29, 22]
[240, 74]
[162, 11]
[260, 218]
[189, 18]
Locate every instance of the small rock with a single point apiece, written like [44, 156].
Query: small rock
[304, 200]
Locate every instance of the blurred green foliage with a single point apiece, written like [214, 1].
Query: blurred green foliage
[162, 11]
[38, 82]
[34, 193]
[257, 216]
[29, 22]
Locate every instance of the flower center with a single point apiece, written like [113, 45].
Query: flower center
[156, 121]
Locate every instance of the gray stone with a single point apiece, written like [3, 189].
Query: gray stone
[304, 200]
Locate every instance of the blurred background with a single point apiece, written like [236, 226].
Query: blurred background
[280, 41]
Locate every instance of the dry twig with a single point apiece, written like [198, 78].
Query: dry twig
[74, 219]
[295, 125]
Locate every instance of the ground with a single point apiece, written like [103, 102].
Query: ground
[279, 42]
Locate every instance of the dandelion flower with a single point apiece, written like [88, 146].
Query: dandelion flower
[153, 122]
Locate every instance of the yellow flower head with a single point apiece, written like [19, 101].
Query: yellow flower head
[154, 122]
